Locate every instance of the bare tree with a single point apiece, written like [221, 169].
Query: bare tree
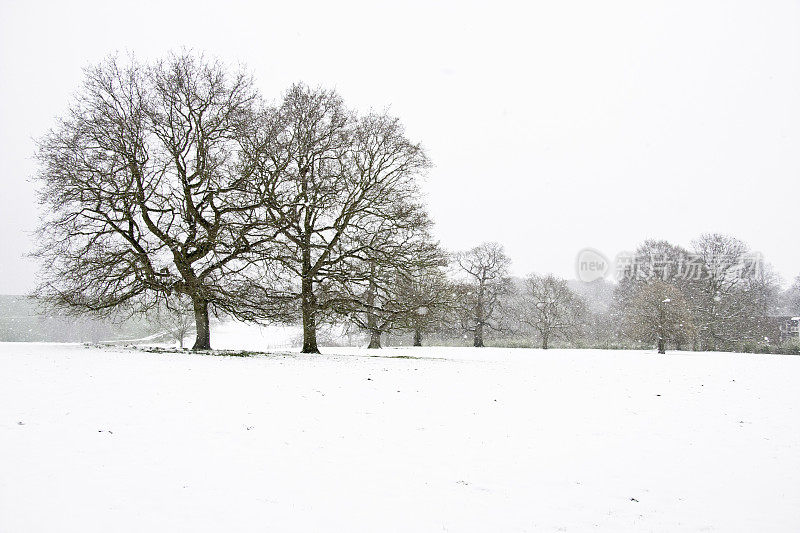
[485, 269]
[431, 298]
[655, 260]
[659, 313]
[175, 317]
[330, 178]
[551, 308]
[791, 298]
[144, 196]
[379, 308]
[397, 255]
[734, 292]
[396, 300]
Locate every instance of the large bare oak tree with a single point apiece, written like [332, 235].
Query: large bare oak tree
[144, 194]
[330, 179]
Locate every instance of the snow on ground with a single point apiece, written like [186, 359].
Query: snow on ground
[416, 439]
[234, 335]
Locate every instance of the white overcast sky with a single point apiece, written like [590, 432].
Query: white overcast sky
[553, 126]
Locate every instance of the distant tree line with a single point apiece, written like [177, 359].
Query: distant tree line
[172, 189]
[718, 295]
[21, 321]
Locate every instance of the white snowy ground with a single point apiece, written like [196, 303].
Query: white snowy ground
[454, 439]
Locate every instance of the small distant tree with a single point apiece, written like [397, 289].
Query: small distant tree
[658, 313]
[175, 316]
[791, 298]
[378, 308]
[377, 299]
[551, 308]
[485, 281]
[430, 296]
[734, 293]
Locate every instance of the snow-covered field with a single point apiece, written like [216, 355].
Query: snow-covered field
[425, 439]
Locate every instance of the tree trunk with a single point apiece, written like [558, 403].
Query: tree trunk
[478, 341]
[309, 317]
[372, 319]
[544, 342]
[203, 339]
[417, 337]
[661, 346]
[375, 339]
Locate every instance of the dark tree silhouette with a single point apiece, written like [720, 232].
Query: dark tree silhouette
[329, 179]
[143, 194]
[431, 298]
[378, 298]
